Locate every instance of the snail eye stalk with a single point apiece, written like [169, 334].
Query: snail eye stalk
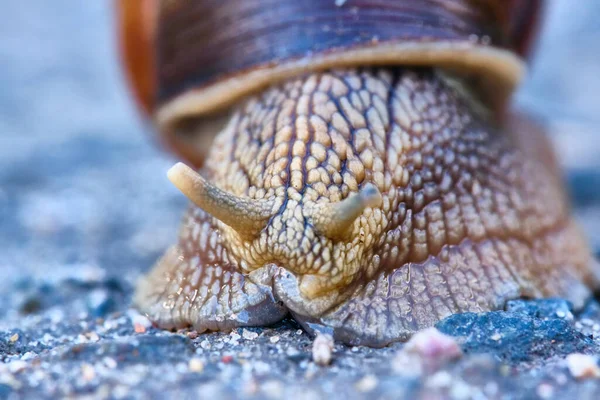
[335, 220]
[246, 216]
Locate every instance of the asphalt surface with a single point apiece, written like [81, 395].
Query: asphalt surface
[85, 208]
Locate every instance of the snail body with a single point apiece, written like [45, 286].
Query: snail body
[372, 196]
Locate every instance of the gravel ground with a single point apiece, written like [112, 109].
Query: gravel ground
[85, 208]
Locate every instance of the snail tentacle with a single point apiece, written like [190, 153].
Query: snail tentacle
[334, 220]
[244, 215]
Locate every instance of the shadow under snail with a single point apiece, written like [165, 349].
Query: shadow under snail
[354, 164]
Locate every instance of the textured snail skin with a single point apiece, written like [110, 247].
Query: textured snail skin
[470, 215]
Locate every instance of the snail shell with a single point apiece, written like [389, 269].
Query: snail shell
[189, 62]
[363, 173]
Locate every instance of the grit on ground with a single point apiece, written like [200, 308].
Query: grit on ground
[85, 207]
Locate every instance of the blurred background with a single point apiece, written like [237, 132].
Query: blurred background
[83, 190]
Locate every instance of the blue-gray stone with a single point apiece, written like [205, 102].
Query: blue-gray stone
[516, 336]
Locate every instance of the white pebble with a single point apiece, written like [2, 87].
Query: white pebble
[582, 366]
[366, 384]
[249, 335]
[196, 365]
[234, 337]
[322, 348]
[426, 351]
[110, 362]
[17, 366]
[439, 380]
[88, 372]
[139, 319]
[491, 389]
[261, 368]
[433, 344]
[292, 352]
[28, 356]
[545, 391]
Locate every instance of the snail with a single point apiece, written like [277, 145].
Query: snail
[355, 164]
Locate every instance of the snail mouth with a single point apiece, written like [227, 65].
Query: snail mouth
[287, 288]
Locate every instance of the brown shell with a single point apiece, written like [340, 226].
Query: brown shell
[211, 54]
[137, 26]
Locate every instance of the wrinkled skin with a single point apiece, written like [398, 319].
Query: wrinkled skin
[471, 216]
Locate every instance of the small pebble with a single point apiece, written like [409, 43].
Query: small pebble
[120, 392]
[110, 362]
[99, 302]
[441, 379]
[427, 350]
[311, 370]
[205, 344]
[30, 355]
[322, 348]
[292, 352]
[586, 322]
[226, 359]
[274, 339]
[234, 338]
[181, 368]
[139, 321]
[545, 391]
[582, 366]
[10, 381]
[192, 335]
[261, 368]
[196, 365]
[88, 372]
[81, 339]
[17, 366]
[366, 384]
[496, 336]
[14, 338]
[433, 344]
[249, 335]
[491, 389]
